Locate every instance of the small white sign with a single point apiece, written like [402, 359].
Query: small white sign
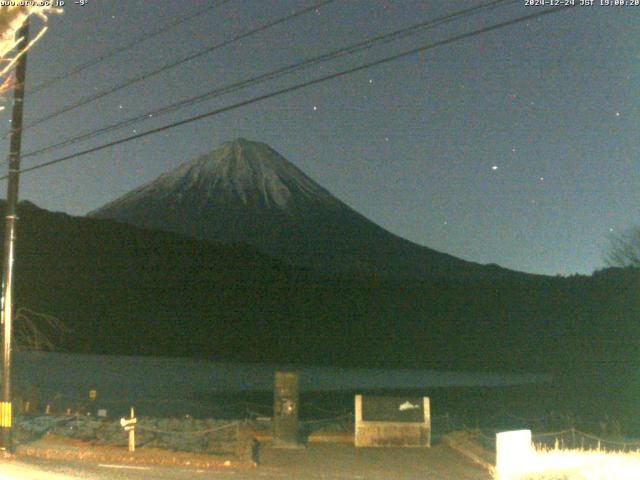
[408, 406]
[128, 423]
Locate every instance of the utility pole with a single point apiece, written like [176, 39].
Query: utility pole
[10, 236]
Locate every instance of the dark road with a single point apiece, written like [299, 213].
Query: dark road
[331, 462]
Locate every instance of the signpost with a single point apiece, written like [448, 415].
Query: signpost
[129, 425]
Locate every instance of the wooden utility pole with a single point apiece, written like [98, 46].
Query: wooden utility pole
[10, 236]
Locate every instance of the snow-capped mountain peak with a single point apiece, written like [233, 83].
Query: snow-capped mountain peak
[247, 192]
[238, 172]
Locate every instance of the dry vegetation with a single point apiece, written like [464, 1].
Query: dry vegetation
[557, 464]
[37, 331]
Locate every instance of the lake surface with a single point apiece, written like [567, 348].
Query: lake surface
[176, 386]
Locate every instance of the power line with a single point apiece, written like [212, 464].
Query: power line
[300, 86]
[128, 46]
[219, 91]
[177, 63]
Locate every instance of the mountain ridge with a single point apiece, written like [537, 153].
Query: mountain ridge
[245, 191]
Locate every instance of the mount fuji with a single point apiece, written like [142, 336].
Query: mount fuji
[246, 192]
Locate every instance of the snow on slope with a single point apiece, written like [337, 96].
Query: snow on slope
[250, 172]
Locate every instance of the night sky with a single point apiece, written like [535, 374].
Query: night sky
[517, 147]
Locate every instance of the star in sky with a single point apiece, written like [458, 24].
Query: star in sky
[487, 116]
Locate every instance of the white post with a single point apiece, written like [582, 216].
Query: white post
[426, 407]
[513, 453]
[132, 434]
[129, 425]
[358, 422]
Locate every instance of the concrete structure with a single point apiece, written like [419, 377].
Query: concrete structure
[286, 404]
[392, 421]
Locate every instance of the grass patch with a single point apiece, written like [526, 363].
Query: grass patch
[559, 464]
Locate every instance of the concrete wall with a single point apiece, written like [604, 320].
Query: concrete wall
[392, 433]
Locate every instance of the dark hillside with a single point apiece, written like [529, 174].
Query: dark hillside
[131, 291]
